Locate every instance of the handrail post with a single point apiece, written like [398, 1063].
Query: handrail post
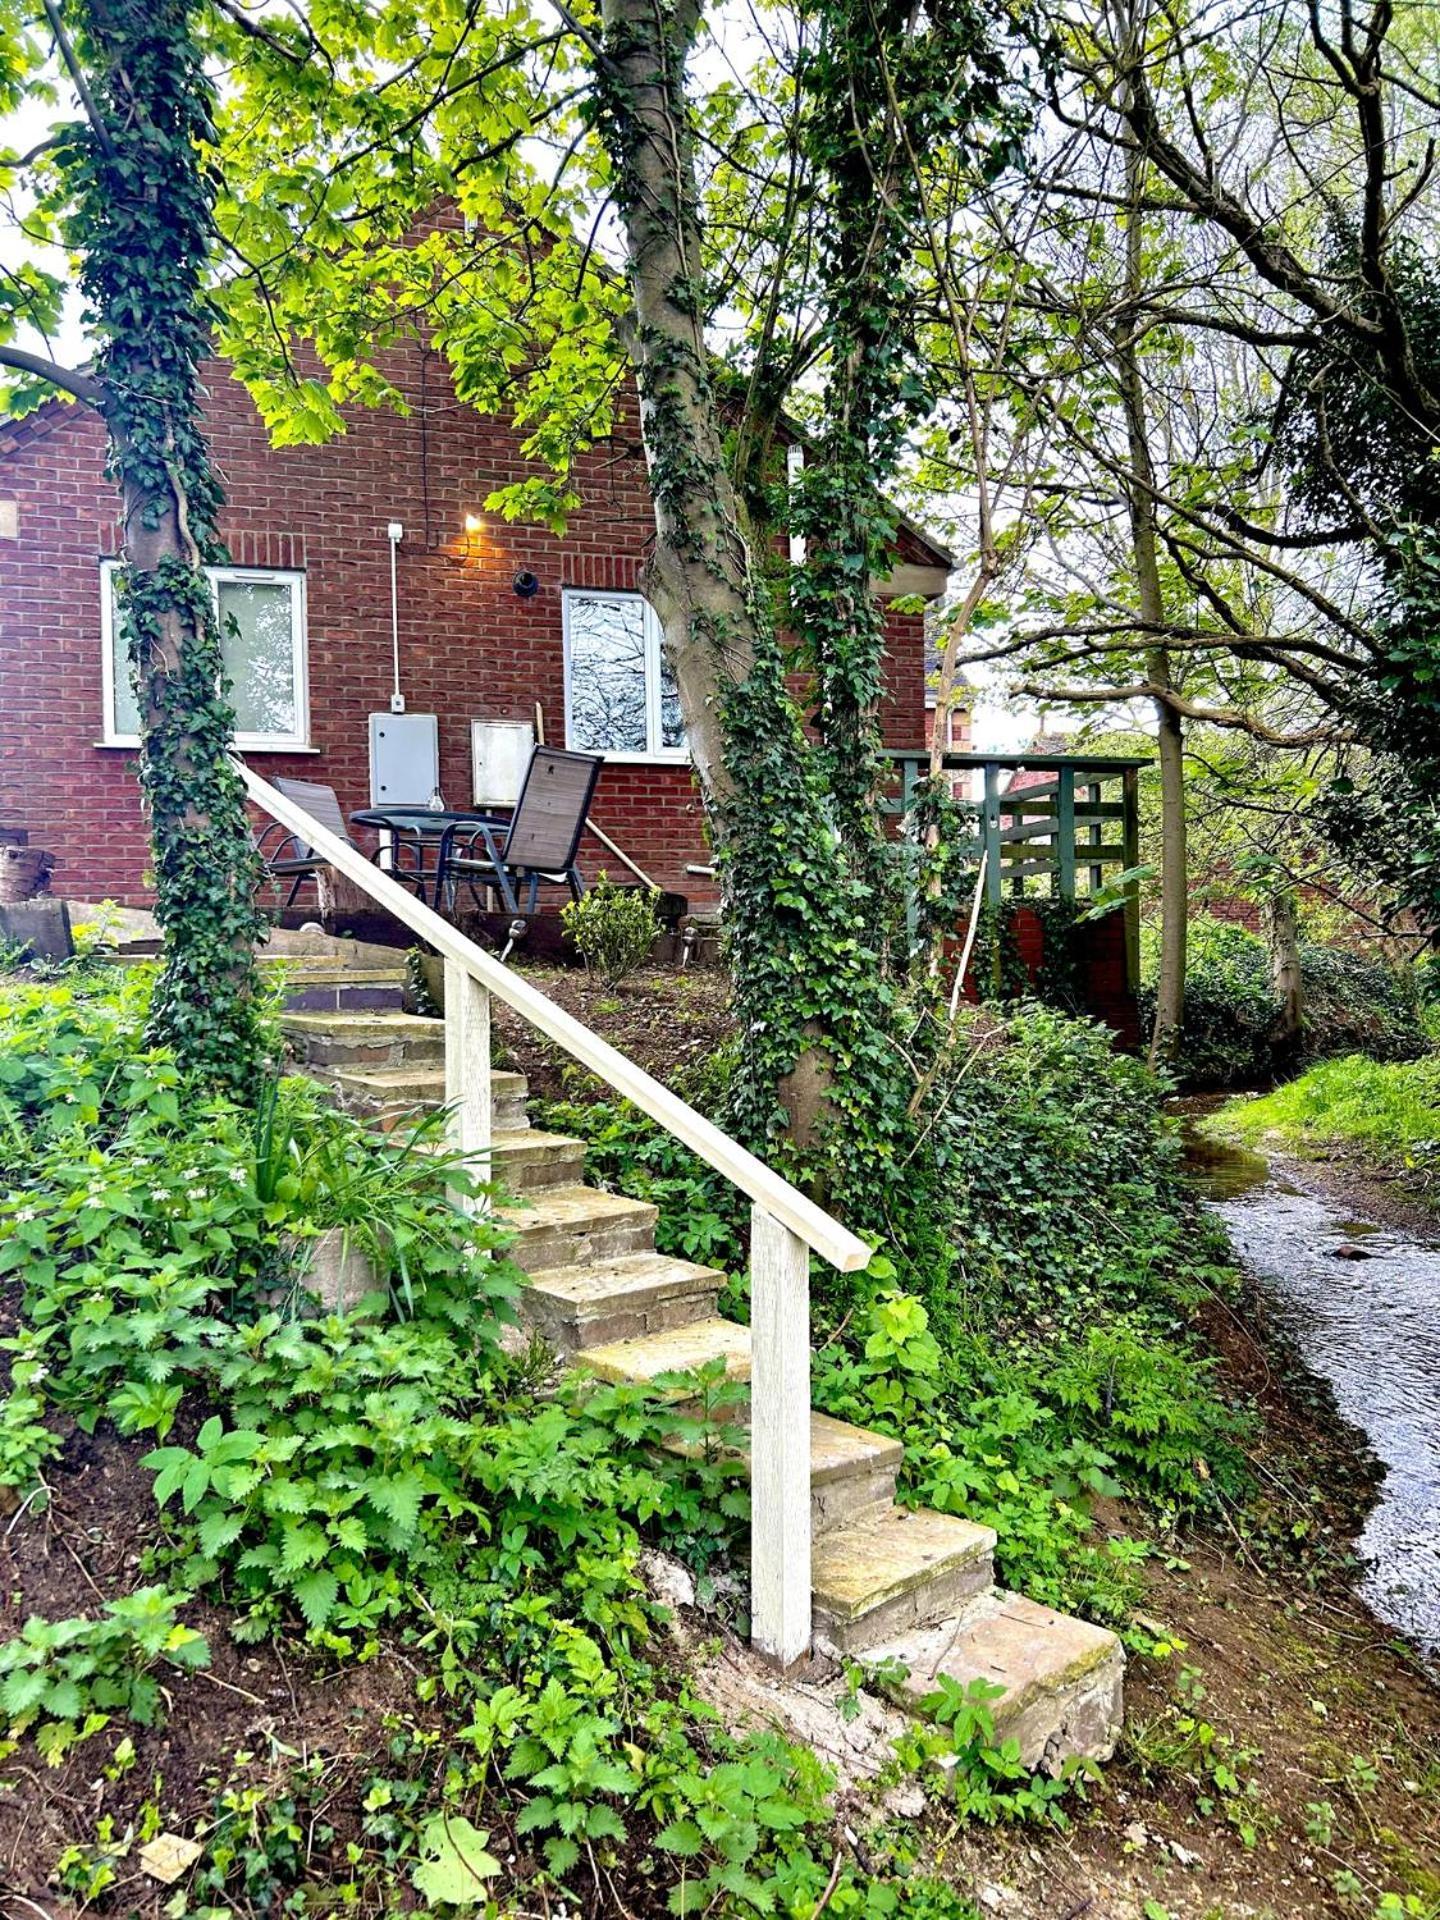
[467, 1068]
[779, 1439]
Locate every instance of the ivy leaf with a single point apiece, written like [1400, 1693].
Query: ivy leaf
[454, 1864]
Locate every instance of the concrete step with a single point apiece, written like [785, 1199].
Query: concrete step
[677, 1350]
[577, 1226]
[389, 1093]
[527, 1160]
[852, 1471]
[893, 1569]
[1064, 1679]
[365, 1040]
[621, 1299]
[325, 987]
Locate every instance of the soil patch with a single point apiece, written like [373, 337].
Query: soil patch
[669, 1022]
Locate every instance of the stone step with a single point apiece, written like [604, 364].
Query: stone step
[325, 987]
[677, 1350]
[1063, 1678]
[577, 1226]
[621, 1299]
[526, 1160]
[365, 1040]
[893, 1569]
[389, 1093]
[852, 1470]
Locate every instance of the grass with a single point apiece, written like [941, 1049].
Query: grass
[1386, 1113]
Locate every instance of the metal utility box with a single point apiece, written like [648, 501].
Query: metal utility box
[404, 759]
[499, 754]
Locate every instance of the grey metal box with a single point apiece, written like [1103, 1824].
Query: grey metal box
[404, 759]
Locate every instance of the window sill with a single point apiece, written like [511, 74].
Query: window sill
[133, 746]
[639, 759]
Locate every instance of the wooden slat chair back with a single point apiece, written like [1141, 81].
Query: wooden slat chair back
[542, 840]
[551, 812]
[320, 802]
[291, 858]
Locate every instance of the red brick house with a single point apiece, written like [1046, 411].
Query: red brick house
[491, 620]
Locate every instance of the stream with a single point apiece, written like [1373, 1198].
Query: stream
[1361, 1302]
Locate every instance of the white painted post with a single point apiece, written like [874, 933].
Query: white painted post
[467, 1067]
[779, 1439]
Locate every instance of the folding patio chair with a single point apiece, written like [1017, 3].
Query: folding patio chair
[289, 858]
[541, 841]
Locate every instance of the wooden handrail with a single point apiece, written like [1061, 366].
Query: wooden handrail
[762, 1184]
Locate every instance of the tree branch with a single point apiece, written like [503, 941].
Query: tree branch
[80, 386]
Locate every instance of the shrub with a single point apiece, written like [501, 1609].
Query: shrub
[612, 929]
[1062, 1183]
[1353, 1004]
[1231, 1011]
[65, 1678]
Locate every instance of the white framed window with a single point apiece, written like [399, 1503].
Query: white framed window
[262, 641]
[620, 696]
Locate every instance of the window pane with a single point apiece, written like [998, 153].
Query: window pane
[259, 655]
[607, 675]
[127, 707]
[672, 727]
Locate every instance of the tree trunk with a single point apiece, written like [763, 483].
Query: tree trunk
[143, 228]
[808, 991]
[699, 575]
[1282, 935]
[1174, 873]
[1140, 497]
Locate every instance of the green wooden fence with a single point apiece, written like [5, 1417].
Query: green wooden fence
[1057, 826]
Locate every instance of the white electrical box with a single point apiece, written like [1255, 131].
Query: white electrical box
[499, 754]
[404, 759]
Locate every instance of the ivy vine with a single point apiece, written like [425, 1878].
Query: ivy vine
[140, 220]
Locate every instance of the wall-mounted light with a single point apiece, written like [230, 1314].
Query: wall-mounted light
[473, 523]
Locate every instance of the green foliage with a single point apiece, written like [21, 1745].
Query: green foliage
[612, 929]
[1231, 1012]
[1385, 1112]
[1231, 1035]
[65, 1679]
[1062, 1183]
[988, 1779]
[142, 282]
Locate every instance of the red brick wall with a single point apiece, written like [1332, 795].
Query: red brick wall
[469, 647]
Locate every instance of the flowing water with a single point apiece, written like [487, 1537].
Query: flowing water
[1367, 1320]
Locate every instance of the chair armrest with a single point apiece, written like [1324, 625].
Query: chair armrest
[278, 850]
[458, 848]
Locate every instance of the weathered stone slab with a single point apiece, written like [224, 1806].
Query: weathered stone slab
[41, 928]
[887, 1572]
[1063, 1678]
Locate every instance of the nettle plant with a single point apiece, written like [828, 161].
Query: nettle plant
[65, 1679]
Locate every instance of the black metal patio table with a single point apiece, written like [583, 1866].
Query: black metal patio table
[421, 828]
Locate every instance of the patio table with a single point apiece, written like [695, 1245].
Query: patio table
[424, 828]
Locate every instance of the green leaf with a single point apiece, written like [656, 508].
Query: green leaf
[219, 1529]
[316, 1595]
[682, 1837]
[454, 1864]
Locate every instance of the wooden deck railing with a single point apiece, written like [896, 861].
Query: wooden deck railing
[786, 1226]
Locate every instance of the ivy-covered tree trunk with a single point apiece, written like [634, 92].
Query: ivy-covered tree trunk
[817, 1046]
[141, 229]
